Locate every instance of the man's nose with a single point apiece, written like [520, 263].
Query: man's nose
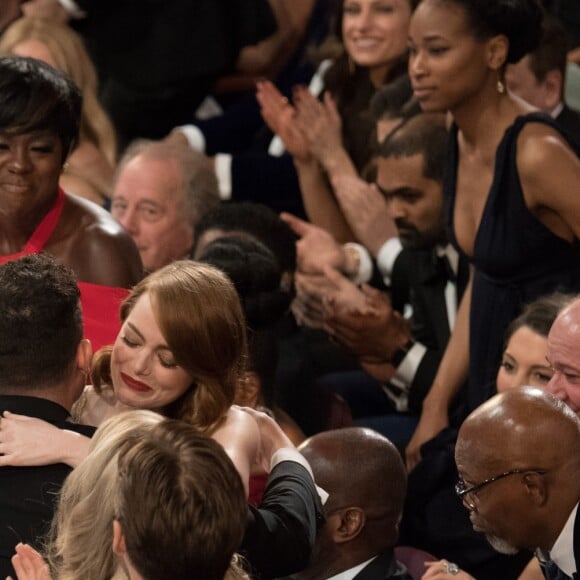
[129, 221]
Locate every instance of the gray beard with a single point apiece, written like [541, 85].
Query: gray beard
[501, 546]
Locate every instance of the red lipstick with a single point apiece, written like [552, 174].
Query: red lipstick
[134, 384]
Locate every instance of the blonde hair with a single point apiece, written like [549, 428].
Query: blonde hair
[80, 540]
[200, 316]
[70, 55]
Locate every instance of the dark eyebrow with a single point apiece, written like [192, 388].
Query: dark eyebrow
[433, 37]
[399, 191]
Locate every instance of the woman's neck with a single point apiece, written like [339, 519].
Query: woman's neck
[484, 117]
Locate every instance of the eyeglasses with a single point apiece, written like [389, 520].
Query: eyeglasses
[465, 492]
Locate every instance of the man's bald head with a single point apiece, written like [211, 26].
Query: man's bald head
[535, 437]
[564, 356]
[366, 480]
[359, 466]
[518, 428]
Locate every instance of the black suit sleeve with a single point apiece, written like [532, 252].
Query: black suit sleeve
[281, 532]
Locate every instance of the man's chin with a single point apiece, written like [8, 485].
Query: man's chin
[501, 546]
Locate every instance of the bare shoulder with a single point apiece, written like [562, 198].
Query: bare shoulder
[238, 425]
[539, 145]
[549, 172]
[96, 245]
[236, 418]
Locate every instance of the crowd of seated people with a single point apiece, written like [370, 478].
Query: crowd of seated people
[381, 381]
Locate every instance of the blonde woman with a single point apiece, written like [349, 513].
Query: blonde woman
[90, 166]
[81, 541]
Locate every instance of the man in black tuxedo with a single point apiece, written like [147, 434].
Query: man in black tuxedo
[366, 479]
[44, 364]
[519, 476]
[540, 77]
[421, 270]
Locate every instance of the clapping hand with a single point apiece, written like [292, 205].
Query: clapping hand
[280, 116]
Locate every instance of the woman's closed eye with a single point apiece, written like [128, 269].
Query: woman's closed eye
[167, 360]
[129, 341]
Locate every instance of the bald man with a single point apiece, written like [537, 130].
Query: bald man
[366, 479]
[519, 476]
[564, 356]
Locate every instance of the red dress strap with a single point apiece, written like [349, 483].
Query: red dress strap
[42, 233]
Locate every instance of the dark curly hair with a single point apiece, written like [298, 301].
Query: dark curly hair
[256, 276]
[519, 20]
[41, 323]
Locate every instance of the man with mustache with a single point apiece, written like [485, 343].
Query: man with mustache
[519, 477]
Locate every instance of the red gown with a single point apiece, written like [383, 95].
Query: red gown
[100, 304]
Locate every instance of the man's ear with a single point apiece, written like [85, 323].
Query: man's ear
[119, 546]
[552, 89]
[84, 356]
[536, 487]
[352, 522]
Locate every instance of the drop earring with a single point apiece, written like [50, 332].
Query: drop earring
[500, 87]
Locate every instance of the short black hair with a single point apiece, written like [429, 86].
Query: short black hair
[259, 221]
[519, 20]
[551, 53]
[41, 323]
[36, 97]
[424, 134]
[389, 100]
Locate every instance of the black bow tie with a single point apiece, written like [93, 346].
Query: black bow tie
[441, 269]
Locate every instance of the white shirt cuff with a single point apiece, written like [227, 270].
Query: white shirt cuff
[365, 269]
[223, 171]
[291, 454]
[387, 256]
[407, 370]
[71, 7]
[194, 137]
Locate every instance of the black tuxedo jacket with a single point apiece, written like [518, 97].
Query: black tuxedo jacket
[383, 567]
[552, 572]
[281, 532]
[28, 494]
[418, 279]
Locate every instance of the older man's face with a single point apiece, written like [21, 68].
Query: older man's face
[149, 202]
[564, 357]
[498, 509]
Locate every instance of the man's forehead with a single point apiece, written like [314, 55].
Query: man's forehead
[567, 324]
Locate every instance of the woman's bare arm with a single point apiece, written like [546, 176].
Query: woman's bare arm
[27, 441]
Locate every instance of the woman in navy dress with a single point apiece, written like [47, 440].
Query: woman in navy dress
[512, 189]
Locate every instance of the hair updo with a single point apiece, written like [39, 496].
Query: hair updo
[519, 20]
